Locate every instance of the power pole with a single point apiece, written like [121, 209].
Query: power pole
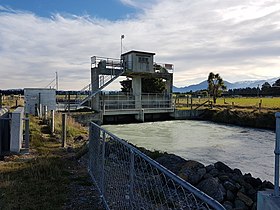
[122, 37]
[56, 80]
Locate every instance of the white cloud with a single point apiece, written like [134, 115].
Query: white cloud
[238, 39]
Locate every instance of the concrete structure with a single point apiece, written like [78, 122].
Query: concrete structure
[137, 61]
[36, 98]
[16, 130]
[135, 65]
[11, 131]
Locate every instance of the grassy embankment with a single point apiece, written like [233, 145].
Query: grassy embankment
[250, 103]
[251, 112]
[40, 180]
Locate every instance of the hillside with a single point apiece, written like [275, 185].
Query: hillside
[242, 84]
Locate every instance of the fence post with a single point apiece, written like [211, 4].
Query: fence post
[52, 122]
[1, 100]
[103, 162]
[131, 177]
[277, 153]
[191, 106]
[45, 113]
[68, 102]
[63, 130]
[27, 131]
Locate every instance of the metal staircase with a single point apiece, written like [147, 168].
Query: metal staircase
[104, 80]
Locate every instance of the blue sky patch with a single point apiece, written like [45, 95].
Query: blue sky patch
[109, 9]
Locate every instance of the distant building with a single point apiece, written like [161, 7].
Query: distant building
[36, 98]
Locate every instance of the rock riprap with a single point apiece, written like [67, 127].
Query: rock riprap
[230, 187]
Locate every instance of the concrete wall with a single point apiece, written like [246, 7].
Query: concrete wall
[46, 97]
[186, 114]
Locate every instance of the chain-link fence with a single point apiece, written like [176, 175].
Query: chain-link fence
[128, 179]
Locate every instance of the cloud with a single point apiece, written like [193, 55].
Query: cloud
[238, 39]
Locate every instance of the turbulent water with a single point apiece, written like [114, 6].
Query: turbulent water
[250, 150]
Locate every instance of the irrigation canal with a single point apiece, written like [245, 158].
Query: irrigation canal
[250, 150]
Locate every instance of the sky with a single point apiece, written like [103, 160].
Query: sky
[239, 39]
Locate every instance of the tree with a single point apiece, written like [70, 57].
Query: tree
[126, 85]
[277, 83]
[153, 85]
[215, 85]
[149, 85]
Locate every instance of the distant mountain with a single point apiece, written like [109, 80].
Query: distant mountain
[235, 85]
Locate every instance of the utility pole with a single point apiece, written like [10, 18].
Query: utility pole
[56, 80]
[122, 37]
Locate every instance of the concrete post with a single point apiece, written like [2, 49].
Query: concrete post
[27, 131]
[68, 102]
[95, 101]
[64, 130]
[137, 91]
[16, 130]
[52, 122]
[45, 113]
[39, 106]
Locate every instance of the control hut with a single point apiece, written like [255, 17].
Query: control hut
[136, 66]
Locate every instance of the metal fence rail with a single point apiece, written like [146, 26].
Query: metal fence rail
[128, 179]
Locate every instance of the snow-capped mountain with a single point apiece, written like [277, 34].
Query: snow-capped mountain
[235, 85]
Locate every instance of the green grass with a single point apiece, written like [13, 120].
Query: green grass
[242, 102]
[40, 180]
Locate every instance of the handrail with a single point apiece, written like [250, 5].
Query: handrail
[202, 104]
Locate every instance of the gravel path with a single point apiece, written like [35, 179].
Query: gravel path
[83, 194]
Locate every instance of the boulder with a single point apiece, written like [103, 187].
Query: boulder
[209, 168]
[213, 188]
[172, 162]
[230, 196]
[214, 172]
[228, 205]
[192, 171]
[239, 205]
[223, 167]
[237, 172]
[248, 201]
[255, 182]
[230, 186]
[266, 185]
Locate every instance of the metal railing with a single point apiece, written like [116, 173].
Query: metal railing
[121, 101]
[128, 179]
[111, 63]
[277, 153]
[156, 100]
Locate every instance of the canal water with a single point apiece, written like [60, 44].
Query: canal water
[250, 150]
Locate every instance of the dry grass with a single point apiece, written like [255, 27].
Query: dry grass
[40, 180]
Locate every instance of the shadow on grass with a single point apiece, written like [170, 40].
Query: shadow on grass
[38, 183]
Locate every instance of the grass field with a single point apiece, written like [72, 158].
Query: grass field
[41, 180]
[241, 102]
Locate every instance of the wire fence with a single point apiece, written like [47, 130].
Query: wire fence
[128, 179]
